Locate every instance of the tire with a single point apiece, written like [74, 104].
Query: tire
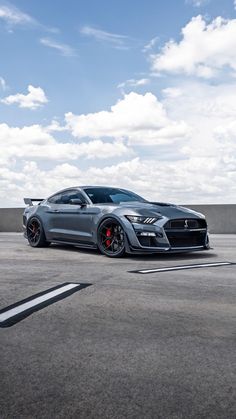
[111, 238]
[35, 233]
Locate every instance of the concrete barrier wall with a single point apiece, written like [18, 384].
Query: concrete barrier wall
[221, 218]
[11, 219]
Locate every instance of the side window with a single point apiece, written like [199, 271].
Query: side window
[65, 197]
[55, 199]
[68, 195]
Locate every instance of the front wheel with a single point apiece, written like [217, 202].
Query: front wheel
[111, 238]
[35, 233]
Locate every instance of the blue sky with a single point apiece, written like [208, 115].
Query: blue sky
[87, 82]
[150, 92]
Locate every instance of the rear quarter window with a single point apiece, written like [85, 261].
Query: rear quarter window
[55, 199]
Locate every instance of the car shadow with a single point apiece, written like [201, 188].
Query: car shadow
[73, 248]
[174, 256]
[147, 257]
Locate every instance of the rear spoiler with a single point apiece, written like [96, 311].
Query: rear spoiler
[29, 201]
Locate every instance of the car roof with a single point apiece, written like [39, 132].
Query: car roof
[88, 186]
[85, 187]
[99, 186]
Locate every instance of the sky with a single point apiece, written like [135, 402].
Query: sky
[134, 94]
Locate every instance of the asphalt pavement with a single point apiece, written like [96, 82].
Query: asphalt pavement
[123, 344]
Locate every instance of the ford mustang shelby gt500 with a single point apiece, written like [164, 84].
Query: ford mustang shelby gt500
[115, 221]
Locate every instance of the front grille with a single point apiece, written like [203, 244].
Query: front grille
[186, 238]
[186, 223]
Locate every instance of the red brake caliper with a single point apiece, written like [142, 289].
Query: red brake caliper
[108, 234]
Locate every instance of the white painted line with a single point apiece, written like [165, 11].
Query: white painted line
[177, 268]
[36, 301]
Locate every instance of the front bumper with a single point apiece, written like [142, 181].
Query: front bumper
[156, 238]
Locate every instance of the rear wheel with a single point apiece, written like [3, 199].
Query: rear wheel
[111, 238]
[35, 233]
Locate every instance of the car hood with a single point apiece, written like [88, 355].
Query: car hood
[152, 209]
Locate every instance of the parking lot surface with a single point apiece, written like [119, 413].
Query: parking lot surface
[130, 345]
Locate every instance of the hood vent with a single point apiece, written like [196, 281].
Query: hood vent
[161, 204]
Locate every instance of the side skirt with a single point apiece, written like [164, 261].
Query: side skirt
[71, 243]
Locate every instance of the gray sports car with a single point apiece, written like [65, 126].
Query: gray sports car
[115, 221]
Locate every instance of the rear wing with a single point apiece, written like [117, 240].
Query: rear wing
[29, 201]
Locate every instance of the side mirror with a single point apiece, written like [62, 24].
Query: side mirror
[76, 201]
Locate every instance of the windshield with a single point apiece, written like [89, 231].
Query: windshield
[111, 195]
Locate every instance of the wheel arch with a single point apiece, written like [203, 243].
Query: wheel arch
[37, 229]
[34, 216]
[40, 219]
[114, 217]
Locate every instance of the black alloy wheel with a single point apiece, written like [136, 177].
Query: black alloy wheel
[35, 233]
[111, 238]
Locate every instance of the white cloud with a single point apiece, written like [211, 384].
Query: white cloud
[227, 132]
[225, 135]
[118, 41]
[200, 180]
[197, 3]
[3, 83]
[34, 99]
[55, 126]
[172, 92]
[141, 119]
[202, 168]
[201, 100]
[203, 51]
[133, 83]
[210, 111]
[151, 44]
[13, 16]
[64, 49]
[36, 142]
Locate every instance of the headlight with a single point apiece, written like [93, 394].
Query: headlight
[142, 220]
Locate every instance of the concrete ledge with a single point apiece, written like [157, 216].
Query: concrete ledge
[11, 219]
[221, 218]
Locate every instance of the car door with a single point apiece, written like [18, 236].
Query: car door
[71, 222]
